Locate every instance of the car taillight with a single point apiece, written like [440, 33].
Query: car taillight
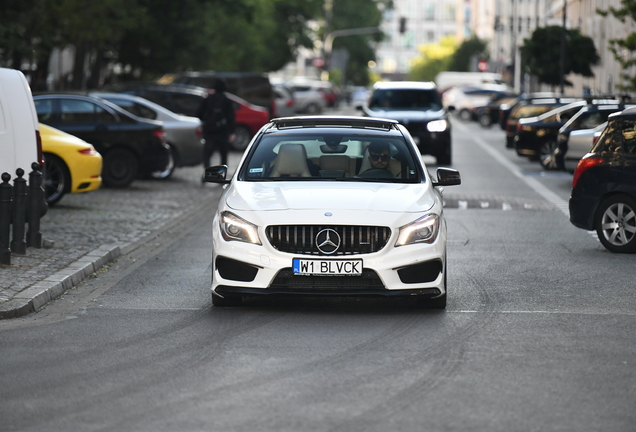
[583, 165]
[88, 151]
[290, 102]
[595, 139]
[38, 140]
[198, 132]
[161, 134]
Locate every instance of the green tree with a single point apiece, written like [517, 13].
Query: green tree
[542, 52]
[627, 12]
[433, 59]
[469, 48]
[350, 14]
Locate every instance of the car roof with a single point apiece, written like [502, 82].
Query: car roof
[405, 85]
[312, 123]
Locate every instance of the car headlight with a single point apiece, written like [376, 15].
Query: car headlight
[235, 228]
[437, 126]
[423, 230]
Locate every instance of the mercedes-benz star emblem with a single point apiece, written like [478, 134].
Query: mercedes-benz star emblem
[327, 241]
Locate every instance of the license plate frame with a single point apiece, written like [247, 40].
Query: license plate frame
[327, 267]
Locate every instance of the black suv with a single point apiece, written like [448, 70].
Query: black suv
[604, 185]
[130, 146]
[418, 106]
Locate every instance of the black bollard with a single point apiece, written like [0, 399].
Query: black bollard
[5, 219]
[36, 204]
[18, 243]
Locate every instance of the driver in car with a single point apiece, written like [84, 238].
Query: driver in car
[379, 155]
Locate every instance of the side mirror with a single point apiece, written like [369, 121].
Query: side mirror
[360, 107]
[216, 174]
[447, 177]
[450, 108]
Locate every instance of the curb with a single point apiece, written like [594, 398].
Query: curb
[39, 294]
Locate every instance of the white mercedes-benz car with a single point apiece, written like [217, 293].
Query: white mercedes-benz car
[339, 206]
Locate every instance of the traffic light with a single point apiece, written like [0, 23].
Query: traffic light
[402, 25]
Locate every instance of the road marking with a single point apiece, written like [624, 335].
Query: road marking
[534, 184]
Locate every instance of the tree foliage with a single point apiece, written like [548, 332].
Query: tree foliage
[468, 49]
[542, 53]
[433, 59]
[624, 49]
[153, 37]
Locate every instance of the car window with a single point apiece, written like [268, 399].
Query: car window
[81, 111]
[406, 99]
[134, 108]
[352, 157]
[44, 110]
[593, 119]
[629, 136]
[529, 111]
[185, 103]
[610, 140]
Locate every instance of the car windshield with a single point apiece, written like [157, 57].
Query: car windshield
[530, 111]
[331, 157]
[406, 99]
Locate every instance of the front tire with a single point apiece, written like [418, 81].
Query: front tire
[547, 155]
[120, 168]
[56, 179]
[615, 223]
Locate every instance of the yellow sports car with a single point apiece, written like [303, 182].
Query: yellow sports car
[70, 164]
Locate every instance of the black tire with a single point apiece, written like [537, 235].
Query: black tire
[615, 223]
[485, 120]
[313, 108]
[547, 155]
[169, 170]
[56, 179]
[227, 300]
[464, 114]
[243, 137]
[120, 168]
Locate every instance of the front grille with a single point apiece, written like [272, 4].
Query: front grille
[286, 281]
[354, 240]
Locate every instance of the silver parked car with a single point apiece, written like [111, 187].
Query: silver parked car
[284, 98]
[580, 143]
[183, 133]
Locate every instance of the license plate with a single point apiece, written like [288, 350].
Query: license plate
[313, 267]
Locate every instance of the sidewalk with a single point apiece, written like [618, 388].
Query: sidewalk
[90, 230]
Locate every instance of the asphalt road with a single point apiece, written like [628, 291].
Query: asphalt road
[538, 334]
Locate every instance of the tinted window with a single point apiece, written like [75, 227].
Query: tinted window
[611, 139]
[44, 110]
[629, 136]
[80, 111]
[408, 99]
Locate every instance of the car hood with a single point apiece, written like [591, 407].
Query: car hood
[405, 116]
[330, 196]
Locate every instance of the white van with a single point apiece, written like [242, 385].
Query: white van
[444, 80]
[20, 143]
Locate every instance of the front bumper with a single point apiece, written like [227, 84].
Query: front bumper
[243, 268]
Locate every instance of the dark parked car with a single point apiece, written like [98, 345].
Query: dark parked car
[530, 108]
[130, 146]
[418, 106]
[506, 108]
[604, 185]
[536, 136]
[488, 114]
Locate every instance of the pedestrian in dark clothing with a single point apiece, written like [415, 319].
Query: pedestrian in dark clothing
[217, 116]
